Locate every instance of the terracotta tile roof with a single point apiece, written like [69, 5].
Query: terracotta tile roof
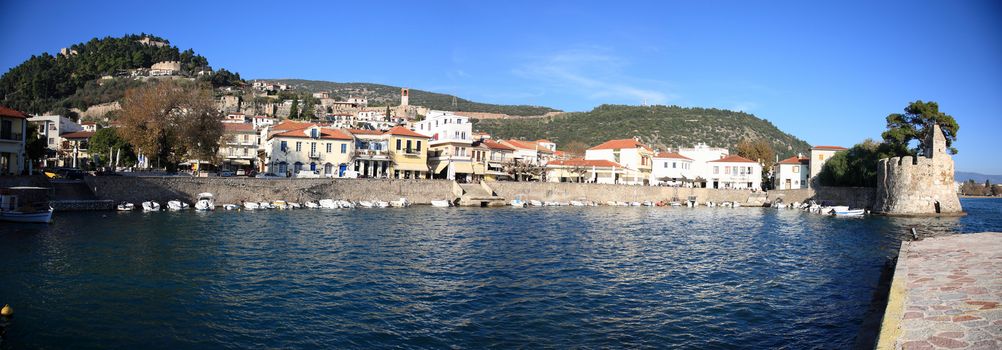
[733, 159]
[325, 133]
[671, 155]
[363, 132]
[584, 163]
[621, 144]
[533, 145]
[830, 148]
[794, 160]
[78, 135]
[402, 131]
[543, 141]
[237, 127]
[496, 145]
[88, 123]
[10, 113]
[291, 125]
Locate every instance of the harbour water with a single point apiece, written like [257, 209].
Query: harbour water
[425, 277]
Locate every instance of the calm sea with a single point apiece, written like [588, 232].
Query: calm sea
[425, 277]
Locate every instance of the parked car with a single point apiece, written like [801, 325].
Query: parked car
[241, 172]
[308, 174]
[225, 173]
[267, 176]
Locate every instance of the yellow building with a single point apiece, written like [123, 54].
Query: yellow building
[409, 153]
[13, 129]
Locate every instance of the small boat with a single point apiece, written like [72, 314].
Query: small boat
[125, 206]
[328, 204]
[647, 203]
[381, 204]
[265, 205]
[577, 204]
[400, 203]
[726, 204]
[366, 204]
[634, 204]
[312, 205]
[518, 203]
[151, 206]
[441, 203]
[231, 206]
[735, 204]
[205, 202]
[535, 203]
[711, 204]
[252, 205]
[850, 213]
[280, 204]
[176, 205]
[294, 205]
[40, 213]
[676, 204]
[345, 204]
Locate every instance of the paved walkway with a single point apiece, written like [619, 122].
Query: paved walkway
[946, 294]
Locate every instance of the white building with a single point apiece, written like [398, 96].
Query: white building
[532, 152]
[449, 149]
[635, 157]
[791, 173]
[820, 155]
[701, 154]
[324, 150]
[50, 128]
[672, 169]
[735, 172]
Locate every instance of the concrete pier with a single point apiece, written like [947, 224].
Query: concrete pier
[946, 294]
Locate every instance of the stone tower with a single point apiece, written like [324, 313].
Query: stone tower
[405, 97]
[918, 185]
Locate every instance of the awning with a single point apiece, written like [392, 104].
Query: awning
[410, 167]
[439, 167]
[463, 167]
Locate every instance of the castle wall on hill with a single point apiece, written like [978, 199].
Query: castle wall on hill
[918, 185]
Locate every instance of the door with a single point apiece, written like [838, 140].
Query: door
[789, 185]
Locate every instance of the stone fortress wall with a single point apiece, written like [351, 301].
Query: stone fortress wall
[918, 185]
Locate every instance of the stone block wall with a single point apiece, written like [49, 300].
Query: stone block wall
[918, 185]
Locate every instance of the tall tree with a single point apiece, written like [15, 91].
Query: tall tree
[169, 122]
[760, 151]
[106, 141]
[914, 125]
[294, 110]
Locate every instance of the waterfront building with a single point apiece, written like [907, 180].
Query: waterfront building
[496, 155]
[371, 154]
[672, 169]
[791, 173]
[532, 152]
[449, 149]
[820, 155]
[312, 147]
[701, 154]
[408, 153]
[634, 157]
[75, 146]
[50, 128]
[600, 171]
[13, 133]
[238, 147]
[735, 172]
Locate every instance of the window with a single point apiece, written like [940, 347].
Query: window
[727, 170]
[329, 147]
[245, 151]
[796, 169]
[299, 146]
[464, 135]
[419, 146]
[245, 137]
[398, 144]
[716, 169]
[821, 157]
[344, 148]
[52, 141]
[408, 146]
[284, 146]
[313, 148]
[673, 165]
[314, 133]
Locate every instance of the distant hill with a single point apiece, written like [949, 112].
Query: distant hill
[383, 95]
[962, 176]
[658, 126]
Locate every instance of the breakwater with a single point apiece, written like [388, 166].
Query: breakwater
[234, 190]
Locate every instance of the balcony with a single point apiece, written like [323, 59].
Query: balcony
[314, 155]
[10, 136]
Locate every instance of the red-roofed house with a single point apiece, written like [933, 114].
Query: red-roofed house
[13, 132]
[490, 157]
[820, 155]
[238, 147]
[530, 151]
[791, 173]
[672, 169]
[584, 170]
[308, 147]
[408, 153]
[51, 128]
[634, 156]
[735, 172]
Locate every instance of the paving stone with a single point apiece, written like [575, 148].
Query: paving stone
[947, 342]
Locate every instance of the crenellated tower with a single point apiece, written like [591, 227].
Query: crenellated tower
[921, 185]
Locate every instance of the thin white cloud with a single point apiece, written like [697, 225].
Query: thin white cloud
[593, 73]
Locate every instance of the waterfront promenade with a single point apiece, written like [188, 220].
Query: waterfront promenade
[946, 294]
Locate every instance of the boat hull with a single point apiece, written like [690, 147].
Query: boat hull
[38, 218]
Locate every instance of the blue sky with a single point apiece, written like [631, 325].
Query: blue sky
[826, 72]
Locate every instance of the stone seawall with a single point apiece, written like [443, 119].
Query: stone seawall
[234, 190]
[856, 197]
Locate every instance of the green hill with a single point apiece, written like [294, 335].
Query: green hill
[658, 126]
[383, 95]
[46, 82]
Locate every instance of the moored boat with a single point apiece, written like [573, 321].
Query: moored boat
[231, 206]
[536, 203]
[380, 204]
[312, 205]
[12, 211]
[849, 213]
[125, 206]
[176, 205]
[149, 206]
[328, 204]
[400, 203]
[205, 202]
[252, 205]
[366, 204]
[441, 203]
[280, 204]
[294, 205]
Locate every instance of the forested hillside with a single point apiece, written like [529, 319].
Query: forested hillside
[659, 126]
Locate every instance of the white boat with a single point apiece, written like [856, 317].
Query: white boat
[535, 203]
[151, 206]
[735, 204]
[345, 204]
[518, 203]
[328, 204]
[10, 210]
[265, 205]
[675, 204]
[231, 206]
[294, 205]
[850, 213]
[176, 205]
[205, 202]
[441, 204]
[252, 205]
[381, 204]
[280, 204]
[366, 204]
[125, 206]
[647, 204]
[312, 205]
[634, 204]
[400, 203]
[711, 204]
[726, 204]
[577, 203]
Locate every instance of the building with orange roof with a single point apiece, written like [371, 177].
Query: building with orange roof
[735, 172]
[370, 156]
[308, 150]
[408, 152]
[672, 169]
[532, 152]
[792, 173]
[490, 159]
[51, 128]
[13, 133]
[584, 170]
[820, 155]
[238, 147]
[635, 157]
